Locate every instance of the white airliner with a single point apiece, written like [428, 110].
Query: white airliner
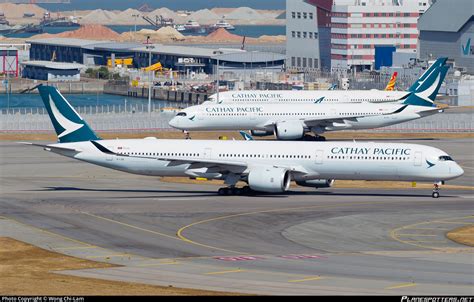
[324, 96]
[290, 121]
[266, 166]
[293, 121]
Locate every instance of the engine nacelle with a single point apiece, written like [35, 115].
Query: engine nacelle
[269, 179]
[289, 130]
[261, 132]
[316, 183]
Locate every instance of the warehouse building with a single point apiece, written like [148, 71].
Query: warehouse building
[176, 57]
[447, 29]
[52, 71]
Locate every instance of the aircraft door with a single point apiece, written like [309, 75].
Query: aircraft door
[319, 157]
[207, 153]
[417, 159]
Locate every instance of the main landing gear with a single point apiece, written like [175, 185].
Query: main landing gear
[308, 137]
[234, 191]
[435, 193]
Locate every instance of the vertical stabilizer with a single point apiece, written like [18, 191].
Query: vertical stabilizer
[69, 125]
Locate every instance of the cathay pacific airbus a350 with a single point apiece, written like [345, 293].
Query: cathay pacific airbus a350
[266, 166]
[324, 96]
[291, 121]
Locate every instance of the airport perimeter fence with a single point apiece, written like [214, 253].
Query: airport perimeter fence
[133, 118]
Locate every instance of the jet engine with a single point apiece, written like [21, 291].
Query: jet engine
[269, 179]
[316, 183]
[289, 130]
[260, 132]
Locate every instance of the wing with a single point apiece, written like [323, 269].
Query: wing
[196, 163]
[341, 119]
[174, 160]
[50, 147]
[326, 120]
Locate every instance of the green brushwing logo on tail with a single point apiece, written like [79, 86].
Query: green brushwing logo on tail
[424, 91]
[69, 125]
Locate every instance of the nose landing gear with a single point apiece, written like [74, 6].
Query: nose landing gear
[435, 193]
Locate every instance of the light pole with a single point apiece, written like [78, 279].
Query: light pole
[135, 16]
[217, 73]
[152, 73]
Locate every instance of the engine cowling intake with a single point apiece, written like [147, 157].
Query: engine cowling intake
[261, 132]
[316, 183]
[289, 130]
[269, 179]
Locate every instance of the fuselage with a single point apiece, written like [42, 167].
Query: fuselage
[312, 117]
[309, 160]
[308, 96]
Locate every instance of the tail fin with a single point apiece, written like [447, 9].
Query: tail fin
[391, 83]
[69, 125]
[436, 65]
[425, 93]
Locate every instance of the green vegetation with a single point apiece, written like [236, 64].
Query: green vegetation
[102, 73]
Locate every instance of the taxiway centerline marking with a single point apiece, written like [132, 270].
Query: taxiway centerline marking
[158, 264]
[109, 256]
[129, 225]
[156, 233]
[76, 248]
[49, 232]
[436, 229]
[423, 235]
[180, 231]
[394, 235]
[306, 279]
[401, 285]
[225, 272]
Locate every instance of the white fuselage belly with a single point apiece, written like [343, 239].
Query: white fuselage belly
[320, 160]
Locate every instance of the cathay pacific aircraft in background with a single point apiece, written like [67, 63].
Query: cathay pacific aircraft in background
[326, 96]
[291, 121]
[266, 166]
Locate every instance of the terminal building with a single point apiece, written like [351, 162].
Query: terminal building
[175, 57]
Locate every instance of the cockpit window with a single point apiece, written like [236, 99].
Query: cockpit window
[181, 114]
[445, 158]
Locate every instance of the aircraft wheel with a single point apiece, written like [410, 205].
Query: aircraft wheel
[321, 138]
[435, 195]
[236, 191]
[246, 190]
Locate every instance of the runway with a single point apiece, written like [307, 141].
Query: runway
[330, 242]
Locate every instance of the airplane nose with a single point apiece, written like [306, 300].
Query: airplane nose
[174, 122]
[457, 170]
